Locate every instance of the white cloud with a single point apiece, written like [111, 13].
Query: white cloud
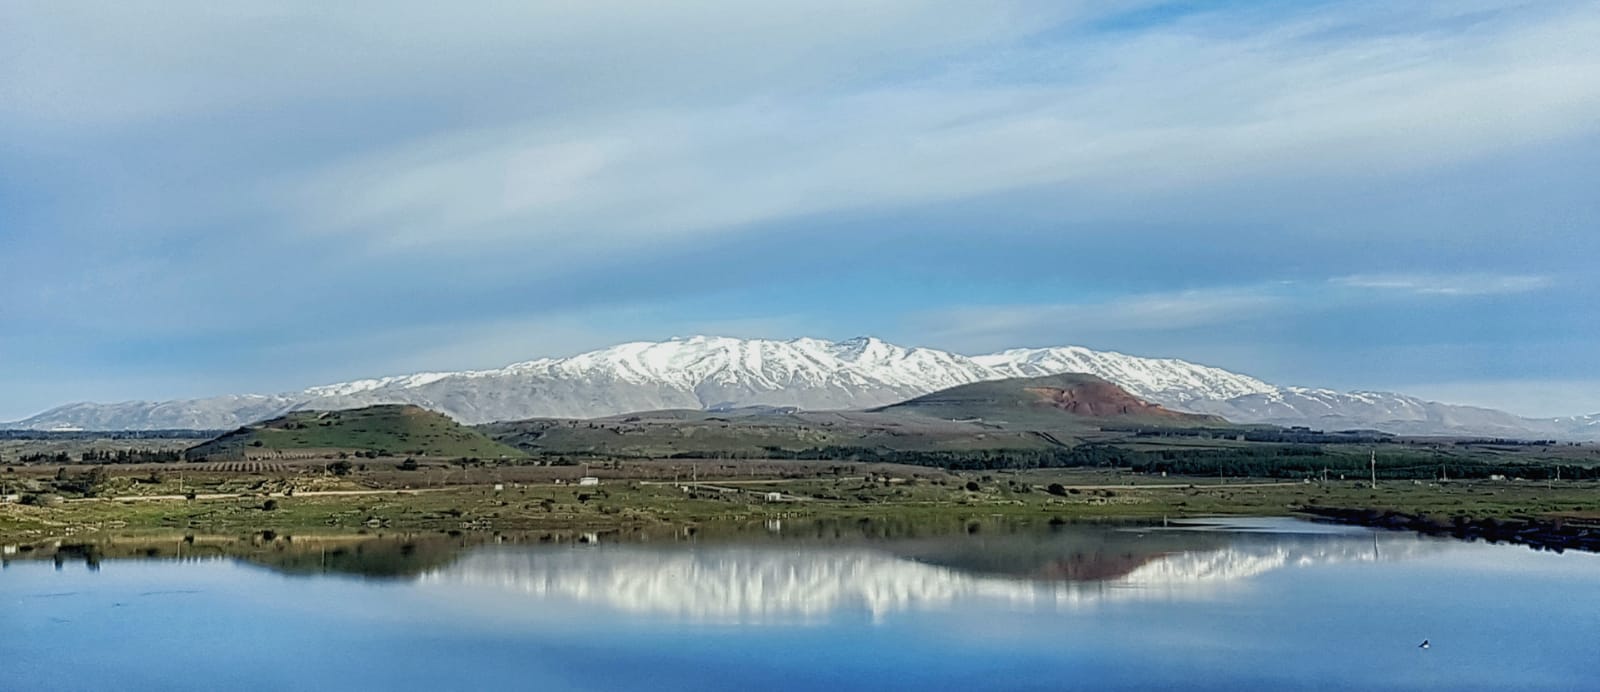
[1110, 115]
[208, 175]
[1064, 322]
[1447, 284]
[111, 64]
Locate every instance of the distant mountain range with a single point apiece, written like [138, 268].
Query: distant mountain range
[705, 372]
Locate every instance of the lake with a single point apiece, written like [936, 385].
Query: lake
[1222, 605]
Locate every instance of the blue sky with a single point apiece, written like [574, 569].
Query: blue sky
[197, 199]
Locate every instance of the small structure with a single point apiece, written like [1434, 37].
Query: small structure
[588, 480]
[774, 497]
[499, 487]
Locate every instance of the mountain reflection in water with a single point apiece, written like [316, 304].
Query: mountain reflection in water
[764, 583]
[838, 605]
[804, 572]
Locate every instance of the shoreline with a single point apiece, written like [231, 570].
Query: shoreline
[1557, 535]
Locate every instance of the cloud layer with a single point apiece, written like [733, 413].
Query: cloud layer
[200, 197]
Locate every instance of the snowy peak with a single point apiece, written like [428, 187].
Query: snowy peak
[764, 364]
[358, 386]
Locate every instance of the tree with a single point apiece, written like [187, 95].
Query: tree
[972, 486]
[1056, 489]
[409, 464]
[340, 467]
[269, 505]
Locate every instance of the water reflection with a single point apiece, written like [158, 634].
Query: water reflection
[762, 584]
[1272, 605]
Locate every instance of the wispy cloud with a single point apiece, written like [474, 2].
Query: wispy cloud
[1149, 312]
[1447, 284]
[1243, 107]
[232, 192]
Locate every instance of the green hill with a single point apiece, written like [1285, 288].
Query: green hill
[389, 430]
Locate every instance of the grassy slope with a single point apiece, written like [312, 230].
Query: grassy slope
[405, 430]
[1022, 403]
[999, 415]
[663, 434]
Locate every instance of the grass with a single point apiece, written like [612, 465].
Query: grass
[889, 492]
[404, 430]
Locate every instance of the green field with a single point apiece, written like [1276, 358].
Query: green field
[231, 504]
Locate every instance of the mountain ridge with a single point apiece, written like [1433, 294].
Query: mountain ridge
[1022, 414]
[702, 372]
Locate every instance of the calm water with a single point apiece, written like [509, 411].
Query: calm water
[1270, 604]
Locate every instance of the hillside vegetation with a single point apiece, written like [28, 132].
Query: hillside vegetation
[1037, 415]
[1067, 402]
[392, 430]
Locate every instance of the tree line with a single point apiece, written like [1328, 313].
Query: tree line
[1290, 461]
[107, 456]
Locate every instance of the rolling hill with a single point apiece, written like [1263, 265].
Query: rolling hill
[1068, 401]
[1014, 414]
[386, 430]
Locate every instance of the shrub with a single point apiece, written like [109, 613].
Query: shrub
[269, 505]
[972, 486]
[1057, 489]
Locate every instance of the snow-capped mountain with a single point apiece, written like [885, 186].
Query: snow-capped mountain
[1395, 413]
[702, 372]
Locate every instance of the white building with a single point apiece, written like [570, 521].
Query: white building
[588, 480]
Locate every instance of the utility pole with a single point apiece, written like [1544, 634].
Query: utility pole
[1374, 469]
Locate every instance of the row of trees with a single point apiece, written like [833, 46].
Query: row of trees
[1264, 461]
[106, 456]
